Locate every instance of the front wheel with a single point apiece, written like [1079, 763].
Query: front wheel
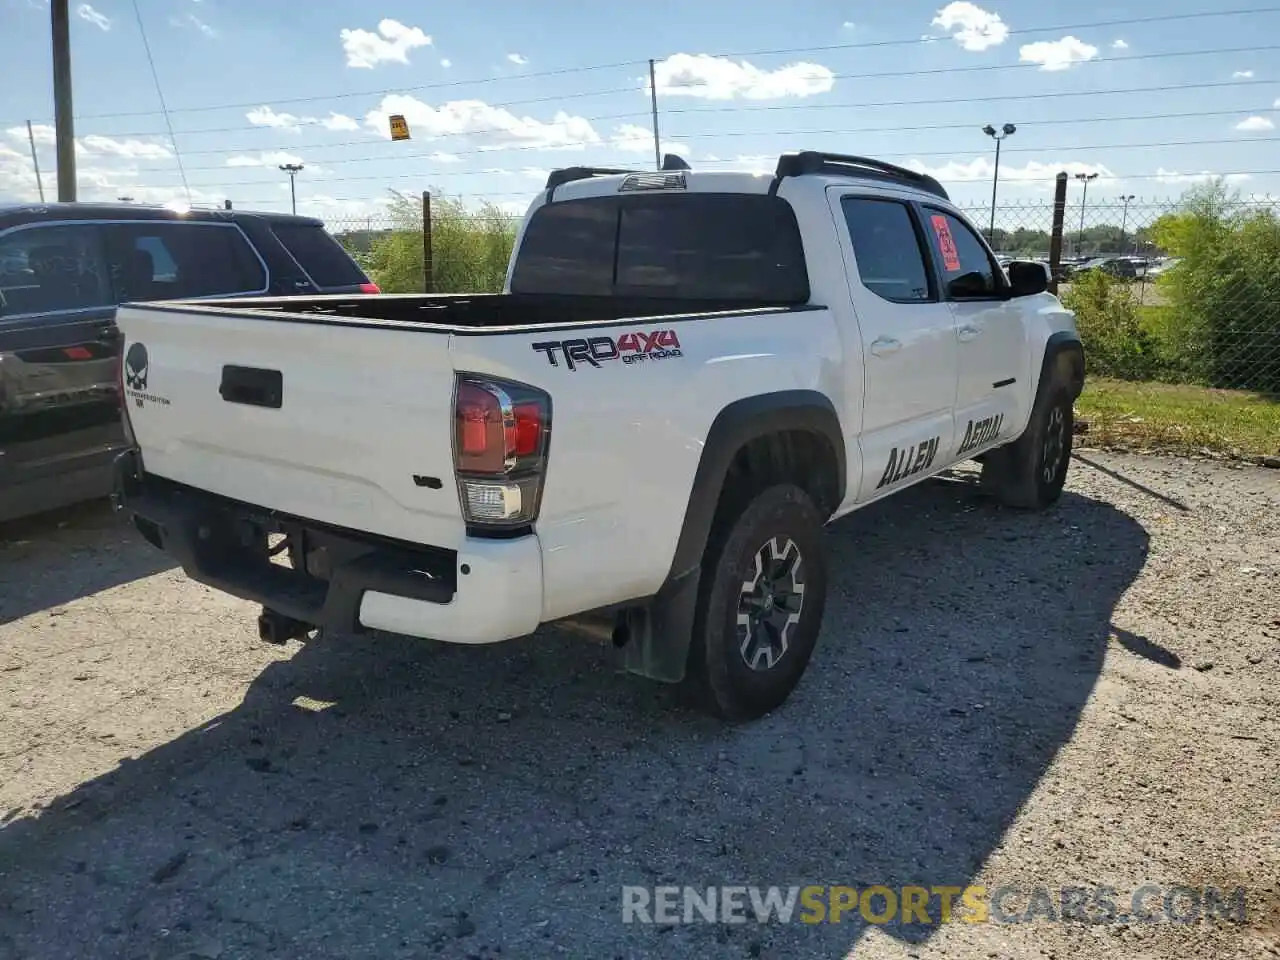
[1030, 472]
[760, 605]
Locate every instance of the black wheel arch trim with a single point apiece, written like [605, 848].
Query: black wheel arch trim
[660, 636]
[736, 425]
[1063, 342]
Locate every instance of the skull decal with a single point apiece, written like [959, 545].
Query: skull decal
[135, 367]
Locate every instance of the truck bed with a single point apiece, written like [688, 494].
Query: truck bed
[460, 312]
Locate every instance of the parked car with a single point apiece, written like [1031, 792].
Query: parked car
[689, 374]
[63, 270]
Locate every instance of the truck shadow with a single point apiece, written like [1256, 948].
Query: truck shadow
[53, 558]
[380, 797]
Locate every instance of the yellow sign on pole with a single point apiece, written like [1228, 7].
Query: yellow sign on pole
[399, 129]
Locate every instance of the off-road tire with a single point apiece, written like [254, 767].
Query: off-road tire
[1029, 473]
[739, 618]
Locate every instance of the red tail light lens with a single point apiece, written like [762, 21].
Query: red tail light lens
[370, 288]
[501, 435]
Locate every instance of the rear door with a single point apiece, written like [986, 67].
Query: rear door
[991, 335]
[908, 341]
[59, 410]
[321, 258]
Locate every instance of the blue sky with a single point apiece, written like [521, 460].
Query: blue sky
[495, 95]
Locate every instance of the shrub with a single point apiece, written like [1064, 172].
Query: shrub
[1110, 323]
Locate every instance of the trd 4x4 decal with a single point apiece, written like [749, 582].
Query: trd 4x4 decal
[630, 348]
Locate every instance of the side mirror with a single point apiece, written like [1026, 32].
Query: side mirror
[1027, 278]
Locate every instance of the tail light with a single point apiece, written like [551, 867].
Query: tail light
[501, 434]
[370, 288]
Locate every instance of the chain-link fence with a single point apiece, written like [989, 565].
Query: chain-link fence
[1177, 291]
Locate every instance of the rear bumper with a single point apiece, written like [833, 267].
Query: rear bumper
[487, 591]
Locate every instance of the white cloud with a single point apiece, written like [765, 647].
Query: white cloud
[633, 138]
[17, 178]
[849, 25]
[1057, 54]
[191, 20]
[1242, 75]
[720, 78]
[973, 28]
[269, 158]
[446, 63]
[1255, 124]
[266, 117]
[1119, 45]
[391, 44]
[339, 121]
[45, 136]
[1033, 173]
[90, 15]
[1173, 176]
[517, 59]
[499, 126]
[125, 149]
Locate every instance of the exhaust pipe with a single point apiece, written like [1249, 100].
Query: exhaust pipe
[276, 628]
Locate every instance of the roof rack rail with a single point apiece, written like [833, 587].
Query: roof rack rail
[816, 161]
[569, 174]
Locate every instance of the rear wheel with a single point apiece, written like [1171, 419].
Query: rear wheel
[1030, 472]
[760, 605]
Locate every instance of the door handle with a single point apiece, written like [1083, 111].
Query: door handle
[969, 332]
[884, 346]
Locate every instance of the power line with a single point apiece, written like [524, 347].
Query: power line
[567, 71]
[1091, 25]
[402, 156]
[420, 176]
[155, 76]
[753, 108]
[1003, 98]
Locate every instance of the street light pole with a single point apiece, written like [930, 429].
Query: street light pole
[1086, 179]
[1124, 219]
[292, 169]
[1007, 130]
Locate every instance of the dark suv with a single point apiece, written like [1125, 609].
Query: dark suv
[63, 269]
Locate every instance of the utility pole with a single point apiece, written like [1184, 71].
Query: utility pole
[1007, 130]
[653, 103]
[35, 160]
[63, 122]
[292, 169]
[1124, 219]
[1086, 179]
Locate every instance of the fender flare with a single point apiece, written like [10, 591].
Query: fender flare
[659, 637]
[1064, 346]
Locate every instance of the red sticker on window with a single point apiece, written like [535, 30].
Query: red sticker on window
[946, 243]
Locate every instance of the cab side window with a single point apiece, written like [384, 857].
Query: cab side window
[967, 268]
[46, 269]
[886, 246]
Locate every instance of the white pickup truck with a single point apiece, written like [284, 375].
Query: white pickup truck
[688, 375]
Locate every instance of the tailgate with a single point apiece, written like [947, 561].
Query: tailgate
[326, 421]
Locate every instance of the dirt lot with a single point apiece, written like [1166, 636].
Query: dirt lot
[1090, 696]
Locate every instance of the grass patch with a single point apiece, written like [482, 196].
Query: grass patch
[1180, 419]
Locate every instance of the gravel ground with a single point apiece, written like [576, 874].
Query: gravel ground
[1087, 696]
